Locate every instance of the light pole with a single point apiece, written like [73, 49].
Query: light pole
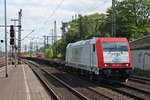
[113, 30]
[19, 36]
[6, 54]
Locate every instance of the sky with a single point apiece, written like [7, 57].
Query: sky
[39, 15]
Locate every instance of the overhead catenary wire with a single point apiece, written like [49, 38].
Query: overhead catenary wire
[27, 35]
[54, 12]
[36, 27]
[45, 15]
[48, 17]
[90, 7]
[96, 6]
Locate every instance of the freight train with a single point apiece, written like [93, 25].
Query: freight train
[102, 57]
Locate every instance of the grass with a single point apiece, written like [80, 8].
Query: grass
[140, 72]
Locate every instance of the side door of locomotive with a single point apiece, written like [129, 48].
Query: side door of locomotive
[92, 53]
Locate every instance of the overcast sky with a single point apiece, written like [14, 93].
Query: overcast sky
[36, 14]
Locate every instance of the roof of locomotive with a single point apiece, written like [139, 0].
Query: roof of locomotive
[83, 42]
[94, 39]
[114, 39]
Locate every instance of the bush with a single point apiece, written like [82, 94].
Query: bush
[140, 72]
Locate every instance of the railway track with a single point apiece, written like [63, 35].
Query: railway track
[73, 93]
[138, 85]
[87, 88]
[141, 93]
[87, 91]
[140, 79]
[57, 88]
[128, 91]
[48, 88]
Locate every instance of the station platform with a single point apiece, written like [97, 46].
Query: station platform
[21, 84]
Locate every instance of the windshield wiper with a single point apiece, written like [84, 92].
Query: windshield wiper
[114, 49]
[111, 50]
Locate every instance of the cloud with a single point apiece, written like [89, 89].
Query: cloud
[36, 13]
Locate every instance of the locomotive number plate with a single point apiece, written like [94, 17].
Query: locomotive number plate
[116, 64]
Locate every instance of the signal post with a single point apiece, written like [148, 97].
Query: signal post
[12, 41]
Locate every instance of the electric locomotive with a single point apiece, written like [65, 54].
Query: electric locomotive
[103, 57]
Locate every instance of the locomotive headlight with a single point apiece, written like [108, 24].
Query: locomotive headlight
[126, 65]
[106, 65]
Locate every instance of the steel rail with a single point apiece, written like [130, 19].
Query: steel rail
[50, 91]
[127, 93]
[100, 93]
[122, 92]
[133, 88]
[78, 94]
[93, 90]
[140, 79]
[123, 86]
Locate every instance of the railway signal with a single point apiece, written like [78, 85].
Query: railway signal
[12, 41]
[12, 34]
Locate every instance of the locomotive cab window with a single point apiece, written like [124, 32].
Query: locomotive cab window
[115, 46]
[93, 47]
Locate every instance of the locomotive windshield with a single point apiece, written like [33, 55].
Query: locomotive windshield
[114, 46]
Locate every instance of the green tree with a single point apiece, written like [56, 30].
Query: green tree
[133, 18]
[84, 27]
[49, 52]
[133, 21]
